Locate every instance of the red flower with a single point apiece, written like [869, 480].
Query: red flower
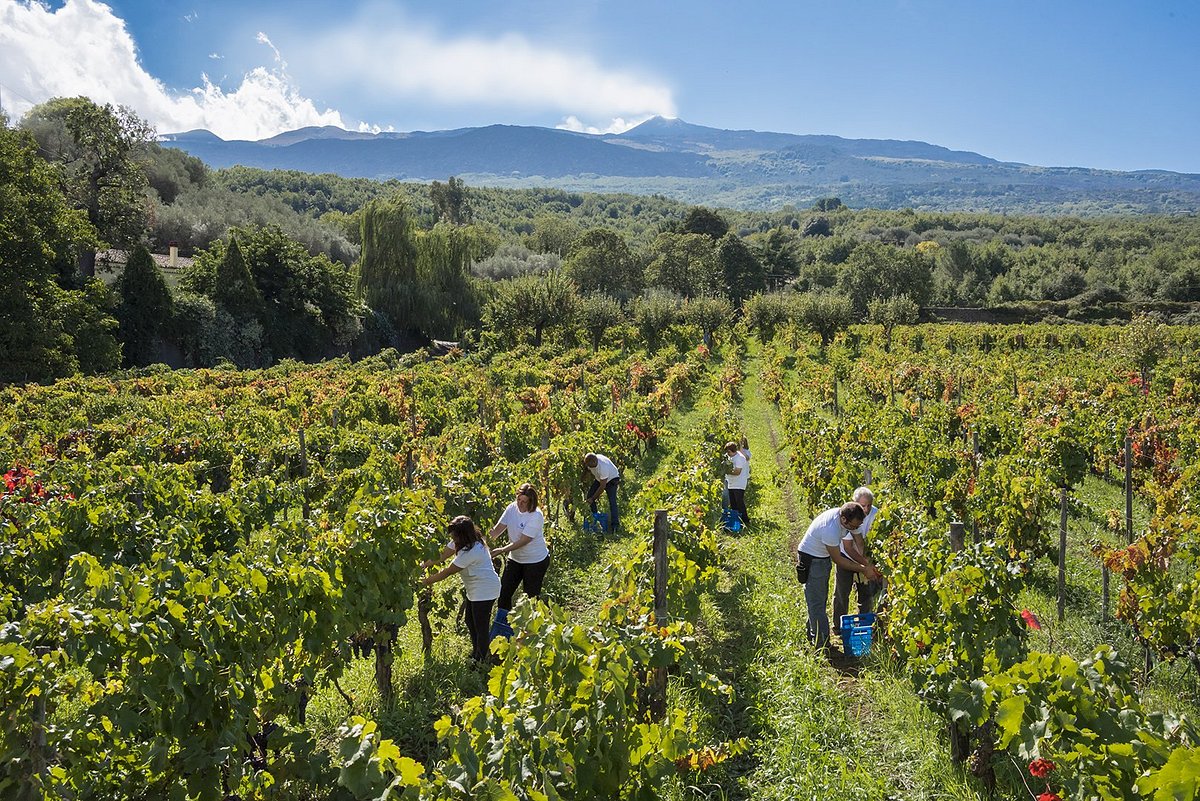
[1049, 796]
[1031, 620]
[1041, 768]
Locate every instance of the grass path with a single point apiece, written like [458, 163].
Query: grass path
[815, 731]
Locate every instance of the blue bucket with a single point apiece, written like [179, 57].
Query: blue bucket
[596, 524]
[500, 627]
[731, 521]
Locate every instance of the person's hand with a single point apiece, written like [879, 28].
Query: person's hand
[873, 574]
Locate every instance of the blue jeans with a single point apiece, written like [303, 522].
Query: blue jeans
[611, 490]
[816, 596]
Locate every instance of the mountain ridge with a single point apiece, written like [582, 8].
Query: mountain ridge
[715, 166]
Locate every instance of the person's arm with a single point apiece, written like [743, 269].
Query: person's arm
[496, 531]
[521, 542]
[448, 570]
[446, 553]
[849, 564]
[599, 490]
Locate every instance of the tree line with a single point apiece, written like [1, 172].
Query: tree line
[292, 265]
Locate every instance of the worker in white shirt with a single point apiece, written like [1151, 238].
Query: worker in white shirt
[737, 476]
[607, 478]
[818, 551]
[854, 547]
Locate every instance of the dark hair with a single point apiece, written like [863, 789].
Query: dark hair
[464, 532]
[852, 513]
[590, 460]
[730, 447]
[530, 492]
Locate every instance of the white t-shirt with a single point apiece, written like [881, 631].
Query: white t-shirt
[480, 579]
[604, 469]
[532, 525]
[740, 480]
[861, 530]
[825, 530]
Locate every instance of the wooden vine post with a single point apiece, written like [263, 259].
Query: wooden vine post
[424, 605]
[410, 465]
[658, 685]
[1062, 555]
[1104, 592]
[957, 535]
[975, 471]
[1128, 489]
[305, 510]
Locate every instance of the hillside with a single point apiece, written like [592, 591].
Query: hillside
[698, 164]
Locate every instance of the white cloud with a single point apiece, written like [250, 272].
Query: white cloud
[191, 17]
[83, 48]
[393, 56]
[216, 56]
[615, 126]
[374, 129]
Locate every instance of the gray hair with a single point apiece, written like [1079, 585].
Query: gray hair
[864, 492]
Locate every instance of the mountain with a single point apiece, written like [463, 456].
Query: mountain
[713, 166]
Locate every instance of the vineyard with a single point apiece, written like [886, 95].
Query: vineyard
[209, 580]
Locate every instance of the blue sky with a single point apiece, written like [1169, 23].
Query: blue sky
[1102, 84]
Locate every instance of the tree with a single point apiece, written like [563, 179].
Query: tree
[170, 171]
[536, 303]
[46, 330]
[234, 289]
[387, 272]
[450, 201]
[1144, 341]
[743, 273]
[144, 310]
[653, 313]
[891, 312]
[308, 309]
[552, 234]
[824, 314]
[875, 270]
[767, 313]
[597, 313]
[599, 260]
[708, 314]
[685, 264]
[828, 204]
[99, 149]
[707, 222]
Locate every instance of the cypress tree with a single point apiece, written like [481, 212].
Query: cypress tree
[145, 306]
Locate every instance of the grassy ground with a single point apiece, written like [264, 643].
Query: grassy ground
[854, 732]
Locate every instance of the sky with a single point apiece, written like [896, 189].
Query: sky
[1105, 84]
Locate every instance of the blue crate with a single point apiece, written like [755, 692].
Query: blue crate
[856, 633]
[731, 521]
[857, 640]
[596, 524]
[862, 619]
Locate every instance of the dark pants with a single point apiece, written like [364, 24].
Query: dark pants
[479, 624]
[737, 502]
[611, 490]
[517, 574]
[843, 585]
